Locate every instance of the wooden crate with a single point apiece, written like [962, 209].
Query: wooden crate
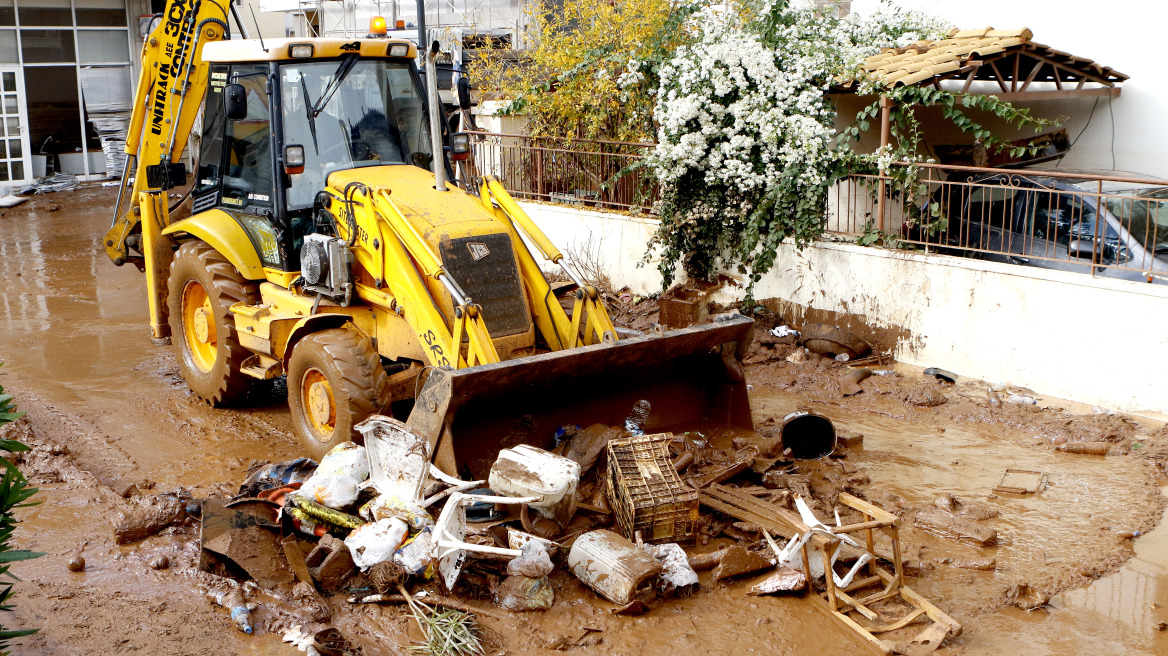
[647, 494]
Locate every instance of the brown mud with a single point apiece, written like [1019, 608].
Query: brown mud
[107, 409]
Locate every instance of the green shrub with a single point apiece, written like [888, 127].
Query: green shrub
[14, 493]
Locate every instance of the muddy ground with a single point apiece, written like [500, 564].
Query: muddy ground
[106, 408]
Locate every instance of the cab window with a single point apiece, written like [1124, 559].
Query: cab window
[210, 168]
[248, 180]
[350, 113]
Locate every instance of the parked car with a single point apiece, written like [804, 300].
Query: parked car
[1119, 229]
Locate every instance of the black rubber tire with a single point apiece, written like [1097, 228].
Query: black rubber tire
[353, 370]
[196, 261]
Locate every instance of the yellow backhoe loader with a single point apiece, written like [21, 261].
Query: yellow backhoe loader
[327, 245]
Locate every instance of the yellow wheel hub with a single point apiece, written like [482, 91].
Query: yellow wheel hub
[198, 318]
[203, 328]
[319, 406]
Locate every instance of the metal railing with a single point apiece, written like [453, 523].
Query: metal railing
[572, 171]
[1109, 226]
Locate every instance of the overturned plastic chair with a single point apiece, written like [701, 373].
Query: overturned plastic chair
[449, 546]
[399, 459]
[788, 556]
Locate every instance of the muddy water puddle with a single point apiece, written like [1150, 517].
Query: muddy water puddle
[1063, 536]
[1118, 614]
[75, 336]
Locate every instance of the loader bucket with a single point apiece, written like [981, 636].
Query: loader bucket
[692, 377]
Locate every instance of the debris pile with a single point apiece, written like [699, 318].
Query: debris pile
[633, 516]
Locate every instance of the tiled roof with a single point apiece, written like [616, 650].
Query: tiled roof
[926, 60]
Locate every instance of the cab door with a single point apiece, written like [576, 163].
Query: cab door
[236, 170]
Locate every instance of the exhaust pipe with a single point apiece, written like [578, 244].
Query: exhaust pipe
[439, 161]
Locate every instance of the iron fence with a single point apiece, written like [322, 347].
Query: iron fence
[586, 172]
[1108, 226]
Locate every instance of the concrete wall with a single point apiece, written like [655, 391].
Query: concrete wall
[1067, 335]
[1120, 34]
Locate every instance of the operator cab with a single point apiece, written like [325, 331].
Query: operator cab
[281, 116]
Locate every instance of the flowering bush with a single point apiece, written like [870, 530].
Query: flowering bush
[736, 94]
[747, 137]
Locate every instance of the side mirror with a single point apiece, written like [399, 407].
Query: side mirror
[293, 159]
[464, 92]
[1084, 249]
[459, 146]
[235, 102]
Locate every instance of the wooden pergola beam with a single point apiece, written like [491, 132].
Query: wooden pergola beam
[1059, 94]
[1033, 72]
[1059, 66]
[998, 77]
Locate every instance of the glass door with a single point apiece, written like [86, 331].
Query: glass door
[14, 164]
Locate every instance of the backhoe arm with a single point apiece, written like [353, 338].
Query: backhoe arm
[588, 309]
[375, 211]
[170, 91]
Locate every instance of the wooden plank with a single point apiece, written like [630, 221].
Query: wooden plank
[742, 461]
[857, 606]
[934, 613]
[747, 516]
[861, 526]
[897, 559]
[1057, 66]
[863, 506]
[742, 515]
[856, 585]
[849, 623]
[829, 575]
[898, 624]
[791, 520]
[873, 598]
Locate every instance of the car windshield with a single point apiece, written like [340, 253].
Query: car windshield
[350, 113]
[1145, 220]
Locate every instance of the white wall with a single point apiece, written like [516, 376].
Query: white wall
[1123, 34]
[1067, 335]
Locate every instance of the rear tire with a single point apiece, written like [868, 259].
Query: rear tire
[335, 380]
[203, 286]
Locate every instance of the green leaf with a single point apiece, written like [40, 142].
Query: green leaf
[17, 555]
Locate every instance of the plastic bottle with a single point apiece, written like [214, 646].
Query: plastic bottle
[283, 473]
[232, 599]
[1086, 448]
[635, 424]
[241, 617]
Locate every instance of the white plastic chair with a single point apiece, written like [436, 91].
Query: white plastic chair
[448, 544]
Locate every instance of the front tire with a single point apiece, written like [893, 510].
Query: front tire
[335, 380]
[203, 286]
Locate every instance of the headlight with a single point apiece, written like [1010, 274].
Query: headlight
[399, 50]
[300, 50]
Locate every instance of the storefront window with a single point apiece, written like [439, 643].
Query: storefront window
[100, 13]
[47, 46]
[102, 46]
[46, 13]
[8, 49]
